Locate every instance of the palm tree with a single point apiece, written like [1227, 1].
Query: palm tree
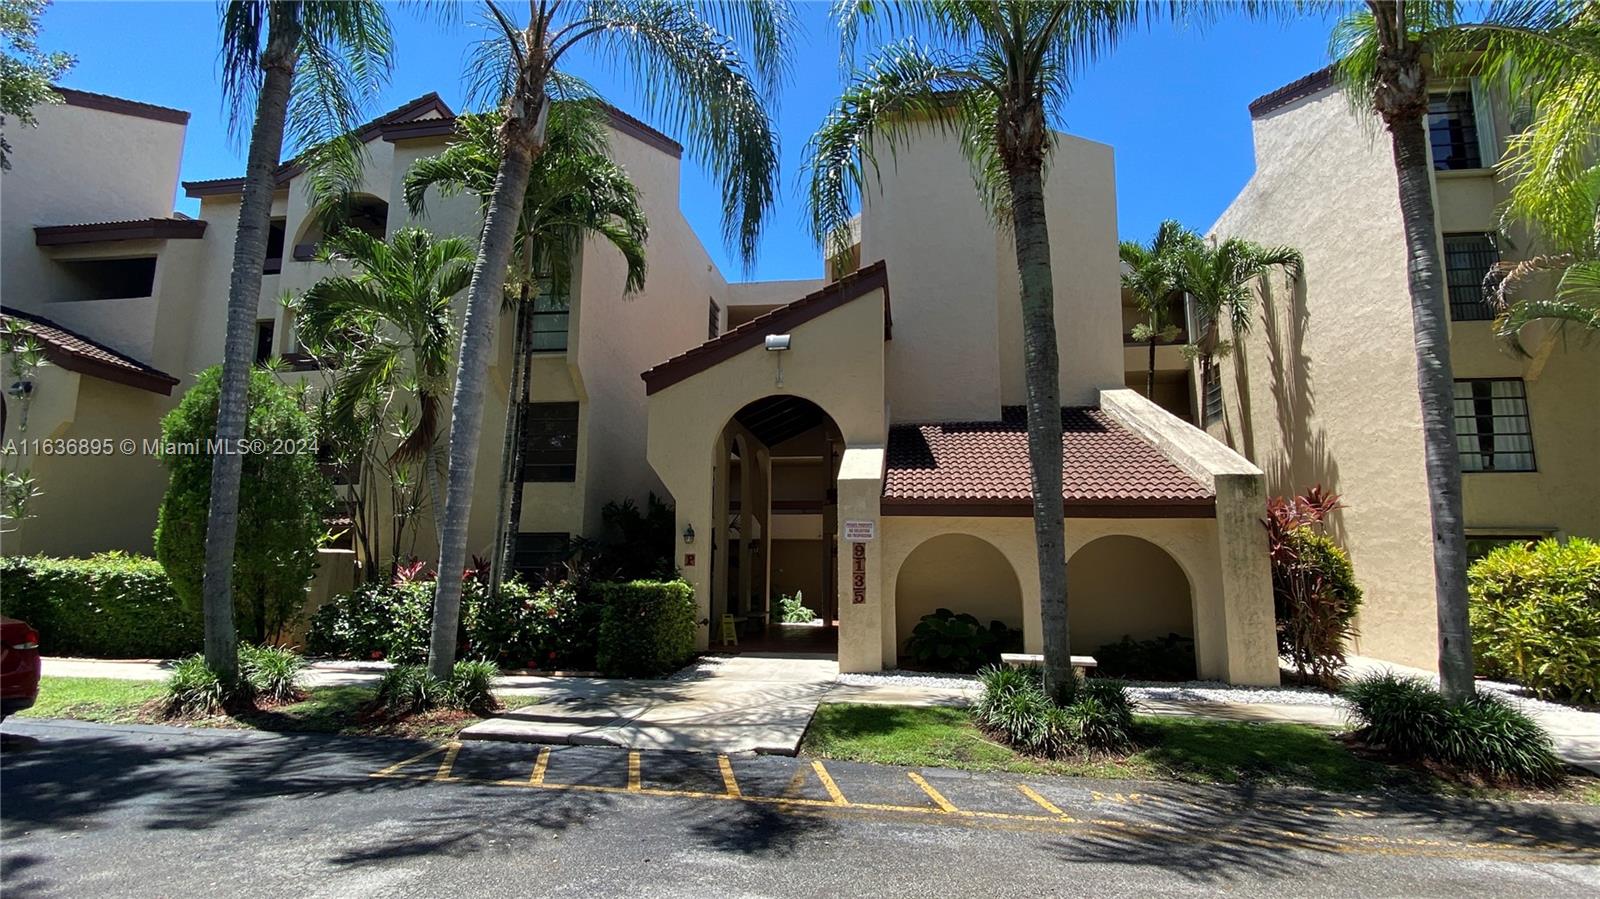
[990, 74]
[689, 62]
[1221, 279]
[1383, 55]
[1151, 276]
[389, 326]
[574, 191]
[295, 70]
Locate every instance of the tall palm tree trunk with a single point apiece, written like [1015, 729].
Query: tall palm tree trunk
[472, 370]
[1431, 331]
[244, 296]
[1043, 368]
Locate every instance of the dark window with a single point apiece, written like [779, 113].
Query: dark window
[264, 341]
[274, 263]
[550, 442]
[1453, 131]
[716, 320]
[1492, 430]
[109, 279]
[551, 317]
[1467, 259]
[1480, 545]
[1211, 384]
[535, 555]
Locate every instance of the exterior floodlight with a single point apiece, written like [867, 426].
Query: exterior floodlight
[777, 343]
[688, 533]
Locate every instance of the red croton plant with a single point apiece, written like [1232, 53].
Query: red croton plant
[1314, 598]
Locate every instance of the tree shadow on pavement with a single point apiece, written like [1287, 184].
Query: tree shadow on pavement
[748, 828]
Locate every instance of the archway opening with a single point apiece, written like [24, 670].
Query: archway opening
[775, 549]
[958, 572]
[363, 212]
[1122, 586]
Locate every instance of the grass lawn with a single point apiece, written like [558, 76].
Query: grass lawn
[1191, 750]
[332, 710]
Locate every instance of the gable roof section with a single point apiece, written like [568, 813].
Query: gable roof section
[174, 228]
[1314, 83]
[408, 112]
[74, 352]
[108, 103]
[753, 333]
[621, 121]
[981, 468]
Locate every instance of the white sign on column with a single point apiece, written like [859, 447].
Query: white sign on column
[860, 531]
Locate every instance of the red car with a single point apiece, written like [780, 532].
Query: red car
[19, 666]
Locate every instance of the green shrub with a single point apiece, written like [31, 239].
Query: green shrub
[946, 641]
[108, 606]
[377, 621]
[1536, 616]
[1169, 658]
[1015, 708]
[793, 610]
[647, 628]
[193, 690]
[283, 496]
[470, 686]
[1315, 598]
[409, 689]
[552, 627]
[273, 672]
[1485, 736]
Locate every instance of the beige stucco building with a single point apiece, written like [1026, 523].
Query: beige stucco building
[814, 436]
[1322, 390]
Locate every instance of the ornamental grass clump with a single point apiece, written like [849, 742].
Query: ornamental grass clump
[272, 672]
[412, 690]
[1483, 737]
[1096, 717]
[193, 690]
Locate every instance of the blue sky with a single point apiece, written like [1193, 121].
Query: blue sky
[1171, 102]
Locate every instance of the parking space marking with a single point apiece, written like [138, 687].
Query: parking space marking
[944, 804]
[828, 784]
[443, 774]
[730, 784]
[1055, 821]
[792, 791]
[540, 767]
[1043, 803]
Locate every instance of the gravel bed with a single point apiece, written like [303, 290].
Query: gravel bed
[899, 679]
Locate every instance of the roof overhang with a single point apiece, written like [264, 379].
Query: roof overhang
[70, 351]
[102, 232]
[620, 121]
[1205, 508]
[753, 333]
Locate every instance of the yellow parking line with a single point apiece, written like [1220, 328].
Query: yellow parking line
[828, 784]
[540, 767]
[944, 804]
[449, 762]
[730, 785]
[633, 771]
[1042, 802]
[395, 768]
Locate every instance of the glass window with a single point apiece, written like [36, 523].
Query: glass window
[1492, 430]
[1211, 384]
[1480, 545]
[1467, 259]
[550, 442]
[1453, 131]
[550, 319]
[535, 556]
[275, 234]
[264, 330]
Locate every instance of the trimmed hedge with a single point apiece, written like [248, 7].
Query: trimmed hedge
[1536, 616]
[110, 606]
[647, 628]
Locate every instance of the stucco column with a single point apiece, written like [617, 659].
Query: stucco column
[860, 487]
[1249, 631]
[747, 517]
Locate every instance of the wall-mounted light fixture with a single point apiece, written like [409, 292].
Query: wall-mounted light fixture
[777, 343]
[688, 533]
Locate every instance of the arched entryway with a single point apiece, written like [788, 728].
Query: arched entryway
[775, 465]
[958, 572]
[1125, 586]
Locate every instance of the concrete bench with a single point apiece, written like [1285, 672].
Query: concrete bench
[1080, 664]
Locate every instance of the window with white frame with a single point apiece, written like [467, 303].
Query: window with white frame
[1492, 428]
[1453, 131]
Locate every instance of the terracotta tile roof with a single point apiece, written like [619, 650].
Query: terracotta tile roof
[754, 332]
[409, 111]
[174, 227]
[1314, 83]
[74, 352]
[621, 121]
[981, 468]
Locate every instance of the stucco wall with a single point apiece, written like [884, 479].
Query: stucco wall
[1323, 388]
[1125, 586]
[961, 573]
